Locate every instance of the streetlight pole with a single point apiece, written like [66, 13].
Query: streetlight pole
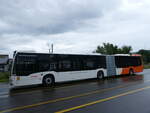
[52, 47]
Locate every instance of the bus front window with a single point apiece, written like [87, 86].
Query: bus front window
[25, 65]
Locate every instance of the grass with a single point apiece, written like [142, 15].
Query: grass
[147, 66]
[4, 76]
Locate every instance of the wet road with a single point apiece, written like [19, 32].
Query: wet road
[124, 94]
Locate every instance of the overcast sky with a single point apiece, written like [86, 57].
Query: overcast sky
[73, 26]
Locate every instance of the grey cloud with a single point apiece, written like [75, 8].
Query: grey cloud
[49, 16]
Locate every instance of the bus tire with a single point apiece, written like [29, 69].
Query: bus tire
[100, 75]
[131, 72]
[48, 80]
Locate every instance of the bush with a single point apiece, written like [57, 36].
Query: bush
[4, 76]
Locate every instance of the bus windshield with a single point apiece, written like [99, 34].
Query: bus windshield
[25, 65]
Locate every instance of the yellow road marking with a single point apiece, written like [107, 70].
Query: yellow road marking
[103, 100]
[66, 98]
[61, 99]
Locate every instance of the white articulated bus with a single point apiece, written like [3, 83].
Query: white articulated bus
[40, 68]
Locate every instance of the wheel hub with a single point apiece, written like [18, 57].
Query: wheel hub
[48, 81]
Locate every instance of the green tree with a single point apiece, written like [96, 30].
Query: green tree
[145, 54]
[110, 49]
[126, 49]
[107, 48]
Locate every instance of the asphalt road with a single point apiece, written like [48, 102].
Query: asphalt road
[124, 94]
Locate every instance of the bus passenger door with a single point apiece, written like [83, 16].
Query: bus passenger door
[83, 69]
[64, 71]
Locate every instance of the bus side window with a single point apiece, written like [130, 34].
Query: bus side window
[89, 64]
[76, 65]
[136, 61]
[139, 61]
[43, 66]
[100, 62]
[65, 65]
[53, 66]
[121, 61]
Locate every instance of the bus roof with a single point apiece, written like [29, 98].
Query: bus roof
[33, 53]
[90, 54]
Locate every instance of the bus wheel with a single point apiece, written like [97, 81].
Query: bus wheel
[48, 80]
[100, 75]
[131, 72]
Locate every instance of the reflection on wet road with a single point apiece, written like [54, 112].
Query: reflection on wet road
[111, 95]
